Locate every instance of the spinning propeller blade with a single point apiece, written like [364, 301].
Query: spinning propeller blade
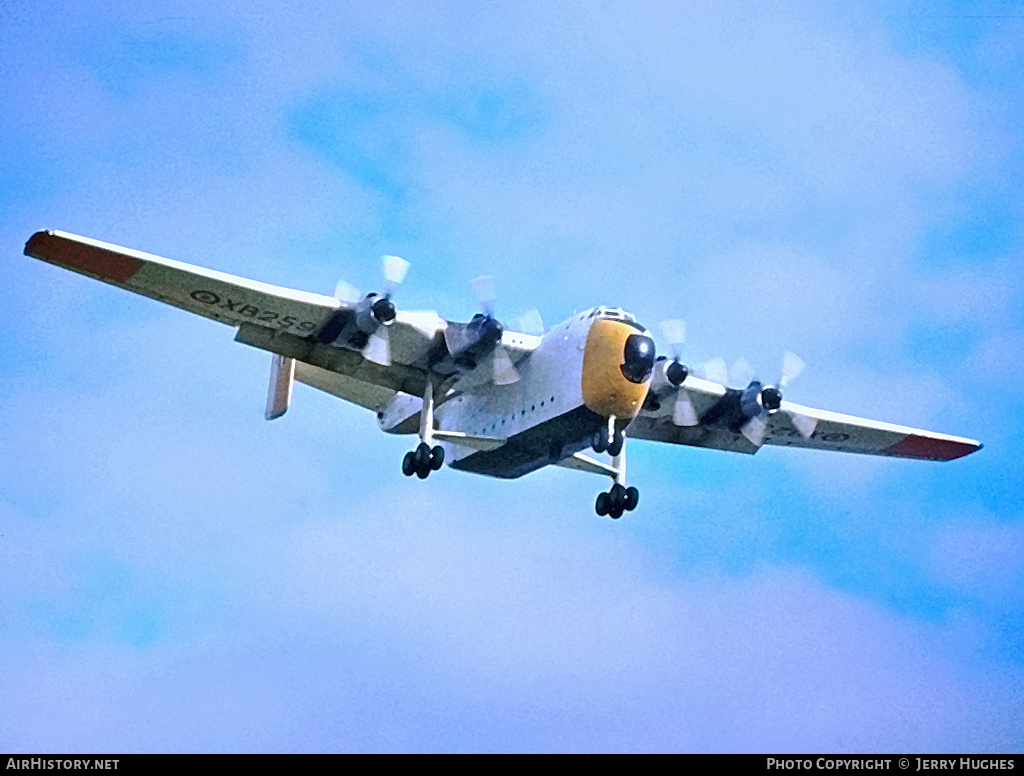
[754, 429]
[530, 322]
[483, 290]
[741, 373]
[683, 414]
[504, 371]
[346, 292]
[674, 331]
[378, 347]
[715, 371]
[395, 270]
[792, 365]
[803, 424]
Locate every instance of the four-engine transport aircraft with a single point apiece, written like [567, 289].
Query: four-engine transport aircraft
[487, 399]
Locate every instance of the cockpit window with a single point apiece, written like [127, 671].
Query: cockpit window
[615, 314]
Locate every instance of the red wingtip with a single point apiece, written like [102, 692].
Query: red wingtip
[82, 257]
[915, 446]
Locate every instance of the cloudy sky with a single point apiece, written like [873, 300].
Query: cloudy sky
[176, 574]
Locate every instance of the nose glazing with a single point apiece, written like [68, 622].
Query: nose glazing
[638, 358]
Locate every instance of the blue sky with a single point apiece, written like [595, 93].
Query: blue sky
[177, 574]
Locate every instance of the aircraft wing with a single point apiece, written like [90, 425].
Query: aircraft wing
[273, 318]
[831, 430]
[849, 434]
[217, 295]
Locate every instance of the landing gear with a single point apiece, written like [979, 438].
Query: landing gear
[424, 459]
[619, 498]
[616, 501]
[610, 439]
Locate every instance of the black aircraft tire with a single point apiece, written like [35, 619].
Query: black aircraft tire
[617, 495]
[599, 442]
[615, 512]
[632, 498]
[422, 456]
[409, 464]
[423, 471]
[436, 457]
[616, 446]
[601, 507]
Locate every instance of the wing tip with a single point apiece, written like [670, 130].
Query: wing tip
[33, 244]
[933, 449]
[83, 257]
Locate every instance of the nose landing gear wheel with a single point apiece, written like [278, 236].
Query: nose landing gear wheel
[409, 464]
[616, 445]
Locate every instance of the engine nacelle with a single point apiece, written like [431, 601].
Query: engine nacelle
[668, 375]
[373, 312]
[757, 399]
[750, 400]
[477, 340]
[401, 415]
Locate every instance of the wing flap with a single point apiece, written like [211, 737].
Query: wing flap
[372, 397]
[217, 295]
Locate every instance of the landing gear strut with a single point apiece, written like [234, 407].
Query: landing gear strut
[610, 439]
[619, 498]
[424, 459]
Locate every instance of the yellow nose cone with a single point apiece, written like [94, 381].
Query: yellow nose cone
[605, 389]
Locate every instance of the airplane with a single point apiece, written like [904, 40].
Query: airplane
[485, 398]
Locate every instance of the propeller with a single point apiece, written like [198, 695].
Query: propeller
[481, 339]
[530, 322]
[741, 373]
[793, 365]
[376, 312]
[683, 413]
[483, 290]
[760, 403]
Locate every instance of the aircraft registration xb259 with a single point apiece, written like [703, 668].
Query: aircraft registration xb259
[485, 398]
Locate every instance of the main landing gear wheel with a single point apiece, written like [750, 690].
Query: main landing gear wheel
[616, 501]
[423, 460]
[409, 464]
